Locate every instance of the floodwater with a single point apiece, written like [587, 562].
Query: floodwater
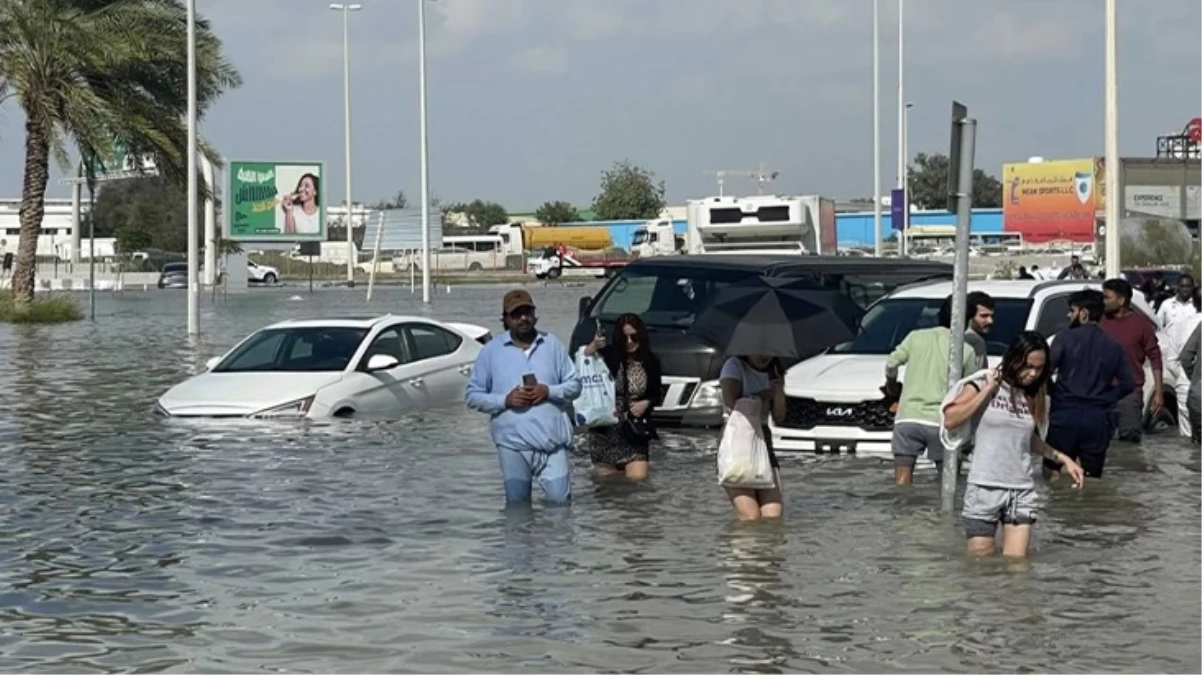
[134, 543]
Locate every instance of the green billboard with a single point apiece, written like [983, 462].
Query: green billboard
[275, 201]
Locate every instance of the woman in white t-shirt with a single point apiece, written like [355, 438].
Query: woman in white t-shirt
[760, 377]
[302, 208]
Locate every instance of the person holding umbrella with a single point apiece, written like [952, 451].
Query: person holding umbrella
[759, 324]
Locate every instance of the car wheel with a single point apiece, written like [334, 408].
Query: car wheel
[475, 267]
[344, 413]
[269, 279]
[554, 273]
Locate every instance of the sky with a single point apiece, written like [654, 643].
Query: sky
[530, 100]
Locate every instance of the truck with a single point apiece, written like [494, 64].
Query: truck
[761, 224]
[656, 237]
[517, 238]
[554, 262]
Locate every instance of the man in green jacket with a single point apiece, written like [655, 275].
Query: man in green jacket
[925, 353]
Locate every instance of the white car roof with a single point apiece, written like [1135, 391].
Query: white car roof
[352, 321]
[998, 288]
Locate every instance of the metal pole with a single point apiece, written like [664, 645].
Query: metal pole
[876, 129]
[193, 262]
[425, 158]
[951, 462]
[905, 241]
[349, 217]
[91, 247]
[901, 122]
[375, 256]
[1112, 143]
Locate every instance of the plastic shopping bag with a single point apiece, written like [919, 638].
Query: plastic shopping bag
[597, 405]
[743, 453]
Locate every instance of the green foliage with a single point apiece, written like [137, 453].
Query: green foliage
[928, 184]
[143, 213]
[1155, 242]
[397, 201]
[481, 214]
[51, 308]
[557, 213]
[629, 192]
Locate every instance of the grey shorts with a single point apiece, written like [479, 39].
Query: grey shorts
[911, 439]
[985, 507]
[1129, 416]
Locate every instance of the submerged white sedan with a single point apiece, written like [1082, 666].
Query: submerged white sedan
[384, 366]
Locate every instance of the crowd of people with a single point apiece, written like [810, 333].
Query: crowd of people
[1063, 400]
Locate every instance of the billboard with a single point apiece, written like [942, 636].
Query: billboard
[1051, 200]
[275, 201]
[1163, 201]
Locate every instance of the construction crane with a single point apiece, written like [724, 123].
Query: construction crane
[762, 177]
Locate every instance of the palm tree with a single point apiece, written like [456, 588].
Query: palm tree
[92, 73]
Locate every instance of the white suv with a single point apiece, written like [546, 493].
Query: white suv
[835, 405]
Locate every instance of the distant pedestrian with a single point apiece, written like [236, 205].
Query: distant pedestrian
[925, 353]
[980, 307]
[1092, 376]
[524, 380]
[1009, 407]
[1180, 306]
[1191, 361]
[1136, 334]
[1075, 270]
[1023, 273]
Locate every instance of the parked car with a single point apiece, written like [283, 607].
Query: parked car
[834, 402]
[384, 366]
[265, 274]
[174, 275]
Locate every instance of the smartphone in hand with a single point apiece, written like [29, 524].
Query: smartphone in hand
[529, 380]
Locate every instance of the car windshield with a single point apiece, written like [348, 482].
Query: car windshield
[310, 349]
[888, 322]
[175, 267]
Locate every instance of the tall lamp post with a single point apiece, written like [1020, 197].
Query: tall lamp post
[425, 158]
[878, 240]
[349, 219]
[905, 176]
[901, 122]
[193, 244]
[1112, 143]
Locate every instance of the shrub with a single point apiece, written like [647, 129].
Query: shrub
[50, 308]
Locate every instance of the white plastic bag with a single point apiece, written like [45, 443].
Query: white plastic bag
[743, 453]
[597, 405]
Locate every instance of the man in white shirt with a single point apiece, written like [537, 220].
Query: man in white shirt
[1175, 337]
[1180, 306]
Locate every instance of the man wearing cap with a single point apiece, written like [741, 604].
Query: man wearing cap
[524, 380]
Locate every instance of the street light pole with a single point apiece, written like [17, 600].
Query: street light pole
[1112, 143]
[876, 129]
[425, 158]
[193, 245]
[901, 123]
[349, 218]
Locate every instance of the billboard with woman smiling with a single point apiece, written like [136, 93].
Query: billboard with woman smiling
[275, 201]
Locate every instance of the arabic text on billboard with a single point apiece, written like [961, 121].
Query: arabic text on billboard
[276, 201]
[1051, 200]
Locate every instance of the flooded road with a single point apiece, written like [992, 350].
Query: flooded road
[131, 542]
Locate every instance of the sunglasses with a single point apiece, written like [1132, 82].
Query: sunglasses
[521, 311]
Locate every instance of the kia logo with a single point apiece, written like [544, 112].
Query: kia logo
[839, 412]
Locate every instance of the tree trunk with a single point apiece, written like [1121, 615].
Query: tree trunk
[33, 207]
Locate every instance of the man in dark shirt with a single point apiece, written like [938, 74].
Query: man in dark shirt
[1092, 375]
[1136, 334]
[1075, 270]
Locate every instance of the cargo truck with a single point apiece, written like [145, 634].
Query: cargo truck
[762, 224]
[518, 238]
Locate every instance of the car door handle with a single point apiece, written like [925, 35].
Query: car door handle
[465, 369]
[416, 381]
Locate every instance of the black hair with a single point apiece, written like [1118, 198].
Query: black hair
[316, 187]
[945, 312]
[1015, 359]
[1120, 287]
[976, 300]
[1089, 300]
[643, 341]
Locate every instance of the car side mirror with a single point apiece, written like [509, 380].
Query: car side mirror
[212, 363]
[382, 362]
[582, 306]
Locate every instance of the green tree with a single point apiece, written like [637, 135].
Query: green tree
[628, 192]
[557, 213]
[928, 184]
[482, 214]
[89, 72]
[397, 201]
[148, 212]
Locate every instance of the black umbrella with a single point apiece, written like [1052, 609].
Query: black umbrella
[776, 316]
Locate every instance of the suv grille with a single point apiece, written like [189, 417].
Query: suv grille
[806, 413]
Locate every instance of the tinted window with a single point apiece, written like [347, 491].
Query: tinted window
[1053, 315]
[888, 322]
[175, 267]
[317, 349]
[427, 342]
[664, 297]
[389, 342]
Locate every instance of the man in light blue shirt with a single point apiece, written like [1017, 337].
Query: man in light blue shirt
[524, 379]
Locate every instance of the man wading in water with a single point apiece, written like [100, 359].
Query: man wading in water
[524, 380]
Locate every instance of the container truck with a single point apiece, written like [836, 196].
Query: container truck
[521, 237]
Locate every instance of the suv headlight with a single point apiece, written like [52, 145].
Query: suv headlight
[297, 408]
[708, 395]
